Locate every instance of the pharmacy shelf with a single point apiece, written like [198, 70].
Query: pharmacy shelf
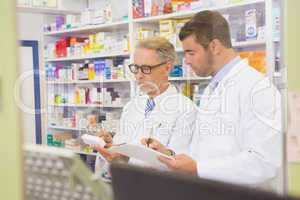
[51, 11]
[88, 82]
[82, 152]
[63, 128]
[123, 81]
[94, 56]
[68, 128]
[87, 105]
[249, 43]
[276, 39]
[109, 27]
[243, 44]
[277, 75]
[189, 78]
[186, 14]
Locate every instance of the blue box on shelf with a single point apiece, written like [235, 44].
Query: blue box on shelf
[176, 71]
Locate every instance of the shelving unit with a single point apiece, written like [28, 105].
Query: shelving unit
[131, 27]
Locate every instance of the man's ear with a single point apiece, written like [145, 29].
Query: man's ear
[169, 67]
[215, 46]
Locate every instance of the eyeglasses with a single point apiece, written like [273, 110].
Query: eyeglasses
[145, 69]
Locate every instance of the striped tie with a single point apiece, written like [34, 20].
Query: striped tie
[149, 107]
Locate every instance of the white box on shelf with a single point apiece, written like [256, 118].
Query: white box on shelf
[250, 24]
[99, 16]
[39, 3]
[26, 3]
[94, 95]
[52, 3]
[147, 7]
[75, 5]
[87, 17]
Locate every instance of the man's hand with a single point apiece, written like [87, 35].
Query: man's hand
[110, 157]
[155, 145]
[181, 163]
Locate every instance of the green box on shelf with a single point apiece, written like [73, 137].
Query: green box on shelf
[57, 143]
[49, 140]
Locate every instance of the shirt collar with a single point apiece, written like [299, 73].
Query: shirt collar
[223, 72]
[171, 90]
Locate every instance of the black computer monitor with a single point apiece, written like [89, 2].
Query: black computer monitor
[135, 183]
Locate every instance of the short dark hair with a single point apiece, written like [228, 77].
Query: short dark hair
[207, 26]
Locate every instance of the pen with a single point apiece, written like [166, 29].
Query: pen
[150, 140]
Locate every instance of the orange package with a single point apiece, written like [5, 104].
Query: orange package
[257, 60]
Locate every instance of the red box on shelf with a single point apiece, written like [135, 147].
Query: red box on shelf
[61, 47]
[138, 9]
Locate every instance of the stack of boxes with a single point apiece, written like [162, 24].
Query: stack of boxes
[93, 44]
[91, 121]
[86, 18]
[97, 70]
[167, 30]
[170, 29]
[58, 139]
[88, 96]
[147, 8]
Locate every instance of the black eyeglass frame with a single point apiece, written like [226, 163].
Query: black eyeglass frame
[145, 69]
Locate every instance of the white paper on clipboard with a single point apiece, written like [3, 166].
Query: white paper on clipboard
[141, 153]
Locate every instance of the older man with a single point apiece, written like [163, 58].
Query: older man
[160, 112]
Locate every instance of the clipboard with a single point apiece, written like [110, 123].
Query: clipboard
[141, 153]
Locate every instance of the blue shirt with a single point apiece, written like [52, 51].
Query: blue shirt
[223, 72]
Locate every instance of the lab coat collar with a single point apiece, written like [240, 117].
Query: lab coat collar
[239, 66]
[216, 79]
[208, 94]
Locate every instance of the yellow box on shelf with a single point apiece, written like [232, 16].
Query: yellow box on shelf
[143, 33]
[167, 30]
[179, 24]
[52, 3]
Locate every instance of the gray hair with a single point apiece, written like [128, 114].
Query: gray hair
[162, 46]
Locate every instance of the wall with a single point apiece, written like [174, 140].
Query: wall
[291, 56]
[30, 27]
[292, 44]
[10, 143]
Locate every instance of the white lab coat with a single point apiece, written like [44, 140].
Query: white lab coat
[238, 127]
[172, 120]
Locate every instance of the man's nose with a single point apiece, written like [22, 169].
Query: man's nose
[187, 60]
[139, 75]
